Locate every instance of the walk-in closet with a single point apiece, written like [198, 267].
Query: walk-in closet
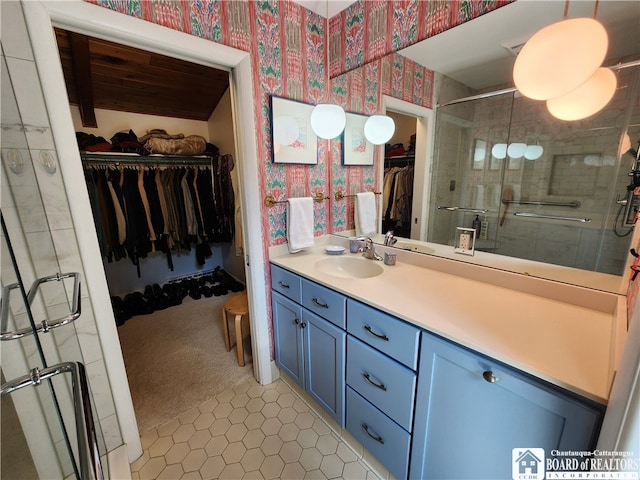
[157, 144]
[399, 162]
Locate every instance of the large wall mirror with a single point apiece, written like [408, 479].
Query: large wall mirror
[552, 209]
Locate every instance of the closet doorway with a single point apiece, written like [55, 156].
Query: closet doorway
[167, 299]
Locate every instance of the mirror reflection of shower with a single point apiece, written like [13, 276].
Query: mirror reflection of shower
[558, 207]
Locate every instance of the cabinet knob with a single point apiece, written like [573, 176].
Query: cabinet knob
[303, 325]
[489, 376]
[377, 438]
[296, 321]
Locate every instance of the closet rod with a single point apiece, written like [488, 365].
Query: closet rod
[97, 159]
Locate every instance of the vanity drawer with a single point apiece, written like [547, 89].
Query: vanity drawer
[388, 442]
[287, 283]
[325, 302]
[386, 333]
[384, 382]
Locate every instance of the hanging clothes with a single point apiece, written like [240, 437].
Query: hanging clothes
[140, 209]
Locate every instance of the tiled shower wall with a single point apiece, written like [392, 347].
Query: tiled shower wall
[37, 214]
[588, 172]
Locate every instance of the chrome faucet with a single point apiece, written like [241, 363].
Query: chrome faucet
[389, 239]
[368, 250]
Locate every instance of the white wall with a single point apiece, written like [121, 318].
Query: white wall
[221, 135]
[111, 122]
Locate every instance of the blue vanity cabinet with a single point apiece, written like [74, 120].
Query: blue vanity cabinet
[471, 412]
[382, 353]
[287, 320]
[309, 348]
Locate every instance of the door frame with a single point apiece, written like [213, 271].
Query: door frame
[423, 161]
[97, 21]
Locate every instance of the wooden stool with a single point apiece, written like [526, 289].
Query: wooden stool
[237, 306]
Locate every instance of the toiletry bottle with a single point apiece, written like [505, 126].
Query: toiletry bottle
[476, 225]
[484, 229]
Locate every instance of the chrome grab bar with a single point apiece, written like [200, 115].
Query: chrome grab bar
[552, 217]
[464, 209]
[46, 325]
[90, 466]
[573, 204]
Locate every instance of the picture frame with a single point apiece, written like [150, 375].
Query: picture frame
[293, 141]
[356, 149]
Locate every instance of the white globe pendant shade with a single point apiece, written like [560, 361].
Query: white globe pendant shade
[499, 151]
[328, 120]
[560, 57]
[379, 129]
[516, 150]
[533, 152]
[285, 130]
[587, 99]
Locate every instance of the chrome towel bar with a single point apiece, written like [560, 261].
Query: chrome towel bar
[574, 204]
[552, 217]
[45, 325]
[464, 209]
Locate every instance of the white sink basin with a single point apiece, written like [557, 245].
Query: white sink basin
[414, 247]
[349, 267]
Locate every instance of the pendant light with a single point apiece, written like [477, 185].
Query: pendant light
[586, 100]
[378, 129]
[327, 119]
[560, 57]
[499, 151]
[533, 152]
[516, 150]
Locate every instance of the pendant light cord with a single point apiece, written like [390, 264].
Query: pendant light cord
[566, 9]
[595, 10]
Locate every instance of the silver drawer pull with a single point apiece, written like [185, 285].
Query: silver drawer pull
[377, 335]
[323, 305]
[367, 377]
[489, 376]
[375, 437]
[283, 285]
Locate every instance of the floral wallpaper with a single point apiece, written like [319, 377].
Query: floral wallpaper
[369, 30]
[287, 46]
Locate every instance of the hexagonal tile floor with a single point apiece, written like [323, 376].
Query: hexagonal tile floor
[249, 432]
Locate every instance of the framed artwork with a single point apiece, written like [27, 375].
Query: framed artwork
[356, 150]
[479, 154]
[292, 139]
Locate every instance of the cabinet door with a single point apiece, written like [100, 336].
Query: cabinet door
[325, 346]
[471, 412]
[287, 321]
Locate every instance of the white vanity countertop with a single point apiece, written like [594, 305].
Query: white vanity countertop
[568, 344]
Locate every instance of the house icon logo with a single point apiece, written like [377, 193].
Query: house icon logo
[527, 463]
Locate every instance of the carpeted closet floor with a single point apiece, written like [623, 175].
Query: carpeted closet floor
[176, 359]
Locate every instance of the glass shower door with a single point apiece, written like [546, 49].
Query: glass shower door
[39, 418]
[542, 189]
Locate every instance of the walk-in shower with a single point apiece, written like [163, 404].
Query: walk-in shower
[543, 189]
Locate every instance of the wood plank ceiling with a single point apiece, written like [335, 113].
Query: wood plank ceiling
[105, 75]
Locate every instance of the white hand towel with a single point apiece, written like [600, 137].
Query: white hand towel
[365, 213]
[299, 223]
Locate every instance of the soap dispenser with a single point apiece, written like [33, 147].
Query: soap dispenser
[476, 225]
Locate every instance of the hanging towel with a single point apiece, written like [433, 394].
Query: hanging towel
[300, 223]
[365, 213]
